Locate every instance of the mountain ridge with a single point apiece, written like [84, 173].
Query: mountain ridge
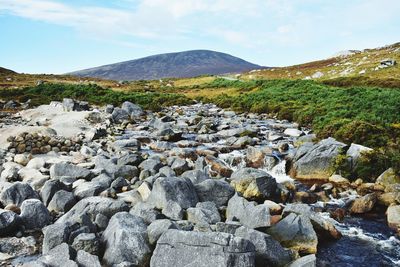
[184, 64]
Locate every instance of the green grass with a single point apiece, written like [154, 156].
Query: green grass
[45, 93]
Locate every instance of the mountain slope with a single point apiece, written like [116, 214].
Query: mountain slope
[6, 71]
[172, 65]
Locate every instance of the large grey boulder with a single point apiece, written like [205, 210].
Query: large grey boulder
[126, 240]
[133, 110]
[34, 214]
[248, 213]
[146, 212]
[93, 206]
[157, 228]
[62, 201]
[9, 222]
[88, 242]
[255, 184]
[49, 188]
[61, 255]
[120, 115]
[269, 252]
[204, 213]
[315, 161]
[89, 189]
[182, 248]
[295, 232]
[355, 154]
[56, 234]
[217, 191]
[63, 169]
[173, 189]
[85, 259]
[17, 193]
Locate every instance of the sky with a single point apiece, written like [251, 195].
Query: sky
[59, 36]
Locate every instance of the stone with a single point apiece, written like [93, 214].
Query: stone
[146, 212]
[157, 228]
[22, 159]
[9, 222]
[339, 180]
[269, 252]
[306, 261]
[62, 201]
[125, 240]
[216, 191]
[49, 189]
[393, 217]
[218, 166]
[173, 189]
[85, 259]
[182, 248]
[364, 204]
[68, 104]
[62, 169]
[61, 255]
[315, 161]
[204, 213]
[388, 178]
[152, 165]
[355, 154]
[293, 132]
[179, 166]
[144, 190]
[255, 184]
[55, 234]
[34, 214]
[129, 143]
[93, 206]
[89, 189]
[120, 115]
[295, 232]
[17, 193]
[248, 213]
[87, 242]
[196, 176]
[133, 110]
[173, 211]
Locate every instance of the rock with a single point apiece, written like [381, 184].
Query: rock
[315, 161]
[196, 176]
[120, 115]
[22, 159]
[68, 104]
[144, 190]
[17, 193]
[56, 234]
[255, 157]
[9, 221]
[172, 189]
[62, 201]
[179, 166]
[152, 165]
[389, 198]
[93, 206]
[34, 214]
[146, 212]
[355, 153]
[388, 177]
[157, 228]
[268, 251]
[87, 242]
[393, 217]
[63, 169]
[255, 184]
[89, 189]
[130, 143]
[181, 248]
[109, 109]
[49, 189]
[168, 134]
[126, 240]
[248, 213]
[216, 191]
[339, 180]
[173, 211]
[204, 213]
[295, 232]
[218, 166]
[61, 255]
[306, 261]
[85, 259]
[364, 204]
[133, 110]
[10, 173]
[293, 132]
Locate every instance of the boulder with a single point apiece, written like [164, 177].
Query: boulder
[49, 189]
[255, 184]
[157, 228]
[62, 201]
[268, 251]
[21, 159]
[85, 259]
[56, 234]
[204, 213]
[120, 115]
[393, 217]
[364, 204]
[217, 191]
[126, 240]
[61, 255]
[248, 213]
[315, 161]
[34, 214]
[306, 261]
[295, 232]
[218, 167]
[133, 110]
[182, 248]
[17, 193]
[355, 153]
[63, 169]
[388, 177]
[172, 189]
[9, 222]
[87, 242]
[146, 212]
[196, 176]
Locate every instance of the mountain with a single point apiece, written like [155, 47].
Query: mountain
[6, 71]
[171, 65]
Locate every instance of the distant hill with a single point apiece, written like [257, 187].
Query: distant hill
[6, 71]
[172, 65]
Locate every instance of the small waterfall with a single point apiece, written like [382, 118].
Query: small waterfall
[279, 172]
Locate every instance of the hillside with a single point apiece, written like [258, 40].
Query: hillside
[6, 71]
[347, 64]
[178, 65]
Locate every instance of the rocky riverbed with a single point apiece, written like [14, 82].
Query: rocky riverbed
[188, 186]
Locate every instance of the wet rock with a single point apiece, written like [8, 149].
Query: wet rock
[306, 261]
[315, 161]
[248, 213]
[393, 217]
[126, 240]
[34, 214]
[9, 221]
[179, 166]
[268, 251]
[203, 213]
[364, 204]
[62, 169]
[216, 191]
[62, 201]
[255, 184]
[172, 189]
[157, 228]
[295, 232]
[17, 193]
[218, 167]
[181, 248]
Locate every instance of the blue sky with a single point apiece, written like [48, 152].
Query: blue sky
[58, 36]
